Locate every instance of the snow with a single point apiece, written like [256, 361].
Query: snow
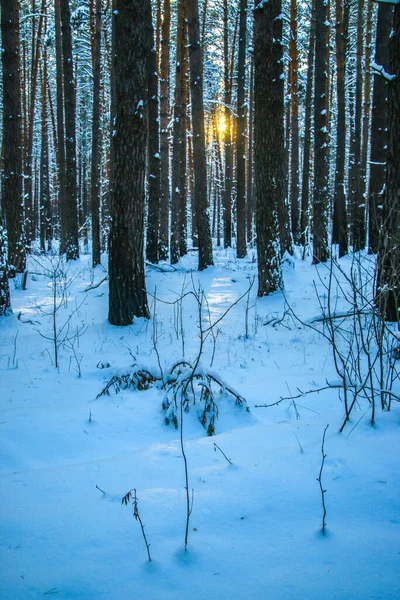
[379, 69]
[255, 527]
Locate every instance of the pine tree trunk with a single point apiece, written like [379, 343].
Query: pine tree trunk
[294, 124]
[70, 243]
[250, 171]
[179, 139]
[240, 137]
[131, 46]
[377, 173]
[164, 143]
[357, 187]
[12, 138]
[321, 139]
[153, 149]
[95, 186]
[268, 145]
[5, 302]
[227, 200]
[339, 232]
[285, 237]
[30, 214]
[305, 186]
[62, 197]
[45, 202]
[199, 151]
[389, 251]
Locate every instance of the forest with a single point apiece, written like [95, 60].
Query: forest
[199, 299]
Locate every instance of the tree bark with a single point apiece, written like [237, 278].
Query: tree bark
[12, 137]
[305, 186]
[240, 137]
[69, 244]
[356, 182]
[153, 150]
[339, 232]
[228, 150]
[164, 142]
[389, 251]
[321, 139]
[131, 46]
[294, 123]
[377, 173]
[268, 145]
[5, 302]
[45, 201]
[179, 139]
[199, 152]
[250, 170]
[95, 179]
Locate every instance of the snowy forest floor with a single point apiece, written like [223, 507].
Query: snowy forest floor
[255, 527]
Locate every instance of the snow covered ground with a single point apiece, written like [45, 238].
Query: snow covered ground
[255, 527]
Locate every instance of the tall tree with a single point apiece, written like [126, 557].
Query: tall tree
[95, 179]
[285, 236]
[45, 201]
[339, 232]
[228, 150]
[294, 123]
[69, 244]
[379, 132]
[179, 140]
[268, 145]
[321, 137]
[12, 137]
[30, 213]
[389, 250]
[131, 44]
[62, 194]
[356, 182]
[153, 156]
[164, 142]
[249, 193]
[305, 184]
[240, 136]
[199, 150]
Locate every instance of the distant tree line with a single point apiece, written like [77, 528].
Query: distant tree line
[150, 129]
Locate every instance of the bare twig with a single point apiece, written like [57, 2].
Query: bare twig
[216, 447]
[319, 479]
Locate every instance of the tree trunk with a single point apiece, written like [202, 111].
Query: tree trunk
[250, 171]
[294, 124]
[268, 145]
[357, 187]
[227, 199]
[199, 151]
[240, 137]
[69, 244]
[95, 179]
[30, 214]
[305, 186]
[164, 143]
[179, 139]
[45, 202]
[5, 302]
[131, 46]
[12, 137]
[321, 138]
[389, 251]
[339, 233]
[153, 150]
[377, 173]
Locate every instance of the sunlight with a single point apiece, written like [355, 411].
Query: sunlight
[221, 123]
